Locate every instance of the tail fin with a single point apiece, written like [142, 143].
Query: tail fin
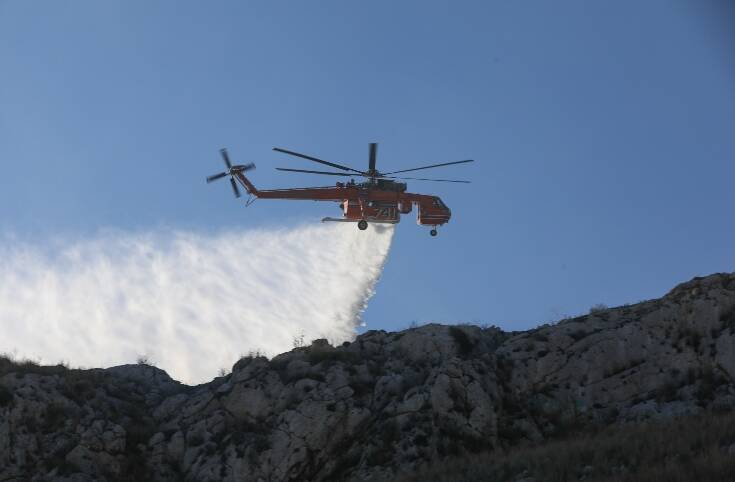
[246, 183]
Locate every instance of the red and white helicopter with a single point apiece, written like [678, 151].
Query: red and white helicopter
[379, 199]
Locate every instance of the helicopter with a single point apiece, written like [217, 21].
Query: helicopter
[379, 199]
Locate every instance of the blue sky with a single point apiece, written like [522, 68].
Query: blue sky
[603, 134]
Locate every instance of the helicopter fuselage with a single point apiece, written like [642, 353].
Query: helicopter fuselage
[377, 201]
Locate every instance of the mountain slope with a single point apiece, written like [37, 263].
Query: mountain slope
[385, 402]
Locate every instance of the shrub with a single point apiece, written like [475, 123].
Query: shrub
[598, 308]
[196, 440]
[448, 446]
[727, 318]
[261, 443]
[329, 354]
[390, 432]
[681, 450]
[6, 396]
[362, 387]
[462, 339]
[691, 337]
[23, 367]
[578, 334]
[138, 431]
[421, 440]
[345, 463]
[6, 363]
[53, 417]
[667, 392]
[79, 390]
[504, 368]
[58, 461]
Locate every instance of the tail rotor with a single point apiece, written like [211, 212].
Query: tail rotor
[231, 171]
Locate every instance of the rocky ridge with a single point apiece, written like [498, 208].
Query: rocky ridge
[386, 401]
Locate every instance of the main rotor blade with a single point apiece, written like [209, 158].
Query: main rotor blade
[424, 179]
[223, 151]
[320, 161]
[317, 172]
[373, 155]
[431, 166]
[234, 187]
[215, 177]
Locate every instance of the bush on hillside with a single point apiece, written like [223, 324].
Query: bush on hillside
[462, 339]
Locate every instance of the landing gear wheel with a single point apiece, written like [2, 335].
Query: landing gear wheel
[433, 232]
[362, 225]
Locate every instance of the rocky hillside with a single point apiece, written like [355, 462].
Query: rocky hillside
[384, 403]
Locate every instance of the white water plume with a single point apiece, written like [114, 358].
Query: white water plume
[192, 302]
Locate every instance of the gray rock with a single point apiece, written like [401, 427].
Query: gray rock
[386, 401]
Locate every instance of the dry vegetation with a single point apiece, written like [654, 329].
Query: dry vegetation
[700, 448]
[79, 391]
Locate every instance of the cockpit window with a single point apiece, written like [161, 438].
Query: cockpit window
[438, 203]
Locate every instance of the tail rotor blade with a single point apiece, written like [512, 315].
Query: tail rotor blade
[244, 167]
[234, 187]
[216, 176]
[226, 158]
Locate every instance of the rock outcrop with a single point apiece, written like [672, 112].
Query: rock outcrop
[386, 401]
